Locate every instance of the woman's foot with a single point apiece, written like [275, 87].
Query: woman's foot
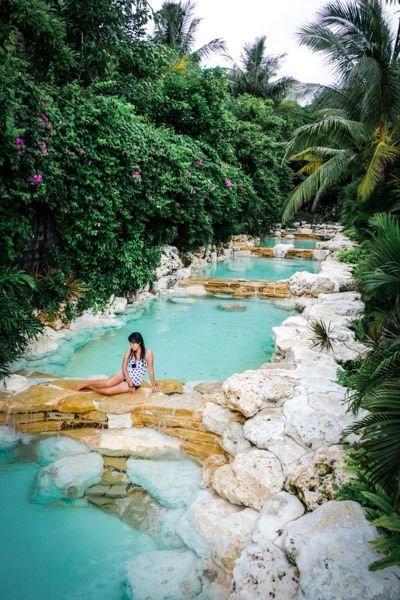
[80, 386]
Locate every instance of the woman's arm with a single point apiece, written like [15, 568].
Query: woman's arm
[150, 368]
[125, 368]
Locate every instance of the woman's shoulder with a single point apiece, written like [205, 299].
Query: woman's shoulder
[148, 353]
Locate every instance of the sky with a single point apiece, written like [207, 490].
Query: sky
[240, 22]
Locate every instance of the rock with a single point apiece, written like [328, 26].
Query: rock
[280, 250]
[267, 426]
[68, 477]
[210, 464]
[216, 418]
[252, 391]
[288, 452]
[212, 392]
[12, 384]
[331, 548]
[232, 306]
[250, 479]
[319, 476]
[309, 427]
[53, 448]
[233, 439]
[263, 572]
[233, 533]
[122, 421]
[118, 305]
[91, 320]
[276, 513]
[163, 575]
[172, 483]
[44, 344]
[312, 284]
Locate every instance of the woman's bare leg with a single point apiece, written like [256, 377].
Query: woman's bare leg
[101, 383]
[120, 388]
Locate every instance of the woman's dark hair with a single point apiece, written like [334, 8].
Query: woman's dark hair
[137, 337]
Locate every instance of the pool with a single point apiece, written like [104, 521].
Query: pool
[60, 551]
[258, 267]
[192, 339]
[270, 242]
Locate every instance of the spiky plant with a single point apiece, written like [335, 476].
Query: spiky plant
[322, 339]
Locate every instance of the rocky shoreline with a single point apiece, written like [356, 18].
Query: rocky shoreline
[258, 519]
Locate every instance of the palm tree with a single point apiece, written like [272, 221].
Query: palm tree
[176, 26]
[258, 70]
[359, 129]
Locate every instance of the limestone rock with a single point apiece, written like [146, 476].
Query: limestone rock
[318, 476]
[233, 533]
[212, 392]
[276, 513]
[311, 284]
[232, 306]
[265, 427]
[68, 477]
[309, 427]
[250, 479]
[210, 464]
[53, 448]
[217, 418]
[280, 250]
[263, 572]
[8, 437]
[233, 439]
[117, 305]
[173, 483]
[12, 384]
[288, 452]
[163, 575]
[252, 391]
[331, 548]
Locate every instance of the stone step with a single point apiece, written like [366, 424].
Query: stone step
[240, 288]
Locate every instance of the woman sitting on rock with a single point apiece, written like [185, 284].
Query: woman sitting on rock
[134, 364]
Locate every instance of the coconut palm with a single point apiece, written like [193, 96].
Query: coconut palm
[256, 76]
[359, 127]
[176, 26]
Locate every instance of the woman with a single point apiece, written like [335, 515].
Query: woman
[134, 364]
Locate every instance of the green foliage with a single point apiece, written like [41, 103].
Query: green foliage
[351, 255]
[322, 335]
[17, 324]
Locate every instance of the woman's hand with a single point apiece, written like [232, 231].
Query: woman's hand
[132, 389]
[154, 388]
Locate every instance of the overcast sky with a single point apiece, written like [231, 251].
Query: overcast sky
[239, 22]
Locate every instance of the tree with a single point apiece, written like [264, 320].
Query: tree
[258, 70]
[358, 131]
[176, 26]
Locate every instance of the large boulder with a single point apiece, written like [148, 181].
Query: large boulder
[163, 575]
[233, 439]
[216, 418]
[68, 477]
[276, 513]
[319, 475]
[53, 448]
[250, 479]
[252, 391]
[264, 572]
[265, 427]
[173, 483]
[309, 427]
[13, 384]
[331, 547]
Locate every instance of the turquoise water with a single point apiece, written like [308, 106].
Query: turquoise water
[192, 339]
[256, 267]
[59, 551]
[269, 242]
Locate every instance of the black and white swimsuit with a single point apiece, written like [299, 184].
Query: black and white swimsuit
[136, 369]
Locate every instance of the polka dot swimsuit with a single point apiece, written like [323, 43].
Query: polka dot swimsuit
[136, 369]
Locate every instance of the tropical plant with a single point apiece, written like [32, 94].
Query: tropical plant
[176, 26]
[322, 335]
[257, 75]
[359, 129]
[17, 323]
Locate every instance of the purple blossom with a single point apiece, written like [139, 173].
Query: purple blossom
[198, 161]
[228, 183]
[42, 144]
[136, 175]
[43, 117]
[19, 141]
[36, 179]
[45, 152]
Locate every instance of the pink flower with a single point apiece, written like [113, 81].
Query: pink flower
[44, 118]
[136, 175]
[198, 161]
[193, 191]
[45, 152]
[42, 144]
[19, 141]
[228, 183]
[36, 179]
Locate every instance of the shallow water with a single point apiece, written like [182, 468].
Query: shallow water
[256, 267]
[270, 242]
[192, 339]
[59, 551]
